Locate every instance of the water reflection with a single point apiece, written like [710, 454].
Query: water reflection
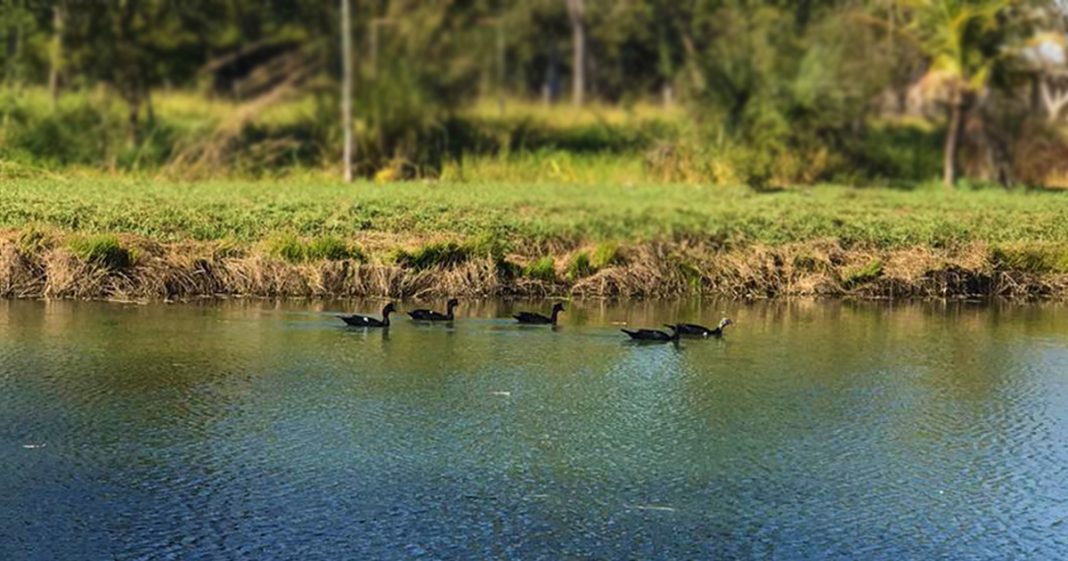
[254, 429]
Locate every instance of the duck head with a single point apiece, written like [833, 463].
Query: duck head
[724, 323]
[388, 309]
[558, 307]
[452, 303]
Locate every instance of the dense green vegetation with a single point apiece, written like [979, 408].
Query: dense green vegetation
[764, 93]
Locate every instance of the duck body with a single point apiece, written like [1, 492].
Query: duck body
[357, 320]
[531, 318]
[651, 335]
[431, 315]
[695, 330]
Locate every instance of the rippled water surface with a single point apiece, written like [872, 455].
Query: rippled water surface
[270, 431]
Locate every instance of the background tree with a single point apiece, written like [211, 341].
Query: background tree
[962, 41]
[576, 11]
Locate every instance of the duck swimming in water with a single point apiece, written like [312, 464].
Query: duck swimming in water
[652, 335]
[431, 315]
[700, 330]
[357, 320]
[538, 319]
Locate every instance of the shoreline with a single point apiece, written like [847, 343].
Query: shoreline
[151, 271]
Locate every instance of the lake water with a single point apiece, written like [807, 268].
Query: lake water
[270, 431]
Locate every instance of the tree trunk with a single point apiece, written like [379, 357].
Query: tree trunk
[133, 103]
[56, 54]
[954, 132]
[500, 67]
[150, 110]
[127, 74]
[576, 9]
[346, 87]
[14, 44]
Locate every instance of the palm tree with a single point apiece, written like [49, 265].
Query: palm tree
[962, 40]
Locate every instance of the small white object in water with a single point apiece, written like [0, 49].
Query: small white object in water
[33, 446]
[653, 507]
[504, 394]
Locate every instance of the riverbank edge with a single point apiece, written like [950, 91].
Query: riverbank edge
[824, 268]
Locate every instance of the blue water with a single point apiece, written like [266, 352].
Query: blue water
[270, 431]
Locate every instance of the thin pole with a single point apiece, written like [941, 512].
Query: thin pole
[577, 11]
[374, 47]
[56, 53]
[346, 86]
[500, 67]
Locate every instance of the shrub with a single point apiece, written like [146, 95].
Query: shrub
[328, 248]
[34, 240]
[692, 273]
[492, 243]
[331, 248]
[103, 250]
[541, 269]
[445, 254]
[579, 266]
[1031, 257]
[605, 255]
[862, 275]
[289, 248]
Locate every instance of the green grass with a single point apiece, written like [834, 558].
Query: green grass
[1031, 257]
[433, 255]
[579, 266]
[527, 216]
[326, 248]
[543, 268]
[103, 249]
[862, 275]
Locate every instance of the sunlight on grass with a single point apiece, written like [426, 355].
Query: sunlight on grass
[549, 212]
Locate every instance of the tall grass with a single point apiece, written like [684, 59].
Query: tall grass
[528, 142]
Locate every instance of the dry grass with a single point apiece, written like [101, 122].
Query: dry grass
[821, 268]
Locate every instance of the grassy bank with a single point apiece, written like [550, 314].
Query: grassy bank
[122, 238]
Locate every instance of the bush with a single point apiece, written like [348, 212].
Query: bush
[579, 266]
[542, 269]
[584, 264]
[329, 248]
[862, 275]
[1031, 257]
[606, 254]
[103, 250]
[289, 248]
[76, 132]
[34, 240]
[896, 151]
[445, 254]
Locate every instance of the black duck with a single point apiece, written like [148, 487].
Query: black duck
[700, 330]
[538, 319]
[431, 315]
[357, 320]
[652, 335]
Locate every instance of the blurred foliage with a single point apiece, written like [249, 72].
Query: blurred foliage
[761, 92]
